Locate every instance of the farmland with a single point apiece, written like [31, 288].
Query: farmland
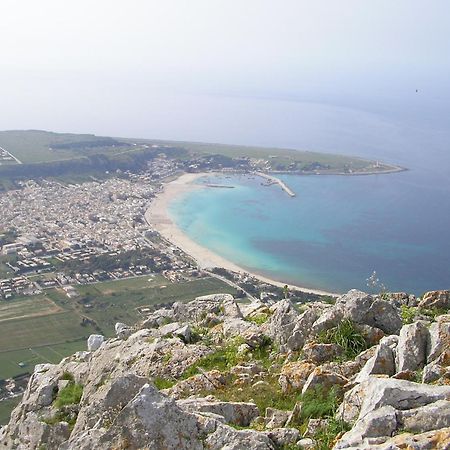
[54, 326]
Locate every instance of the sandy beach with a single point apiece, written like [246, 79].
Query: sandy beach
[157, 216]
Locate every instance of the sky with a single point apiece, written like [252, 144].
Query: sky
[114, 67]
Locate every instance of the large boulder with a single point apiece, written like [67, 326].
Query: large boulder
[320, 353]
[380, 423]
[293, 375]
[324, 380]
[227, 438]
[376, 392]
[430, 417]
[152, 420]
[382, 363]
[282, 323]
[439, 337]
[364, 309]
[95, 341]
[435, 299]
[412, 346]
[235, 413]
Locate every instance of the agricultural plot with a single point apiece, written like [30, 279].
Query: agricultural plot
[22, 308]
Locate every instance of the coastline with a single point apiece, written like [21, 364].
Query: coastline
[157, 216]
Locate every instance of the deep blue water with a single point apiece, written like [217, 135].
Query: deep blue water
[338, 229]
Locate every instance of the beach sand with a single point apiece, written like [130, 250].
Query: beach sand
[157, 216]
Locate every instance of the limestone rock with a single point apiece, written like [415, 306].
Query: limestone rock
[411, 347]
[439, 337]
[227, 438]
[95, 341]
[283, 437]
[123, 331]
[236, 413]
[435, 299]
[362, 308]
[293, 375]
[381, 422]
[320, 353]
[381, 363]
[301, 331]
[152, 420]
[324, 380]
[282, 323]
[378, 392]
[426, 418]
[275, 418]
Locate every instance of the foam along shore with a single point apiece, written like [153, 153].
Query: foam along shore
[158, 217]
[275, 180]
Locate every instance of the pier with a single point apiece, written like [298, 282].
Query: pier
[275, 180]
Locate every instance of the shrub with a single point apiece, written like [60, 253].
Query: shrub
[407, 313]
[67, 376]
[318, 403]
[258, 319]
[163, 383]
[326, 436]
[69, 395]
[347, 336]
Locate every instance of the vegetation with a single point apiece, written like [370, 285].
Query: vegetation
[69, 395]
[407, 314]
[347, 336]
[163, 383]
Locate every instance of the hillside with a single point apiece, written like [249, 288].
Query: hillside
[74, 157]
[367, 372]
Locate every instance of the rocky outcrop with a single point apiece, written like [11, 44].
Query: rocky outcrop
[216, 374]
[435, 299]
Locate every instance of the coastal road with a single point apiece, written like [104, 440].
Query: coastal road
[232, 284]
[18, 161]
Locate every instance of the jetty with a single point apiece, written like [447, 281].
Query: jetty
[275, 180]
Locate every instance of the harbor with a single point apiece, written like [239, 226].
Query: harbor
[274, 180]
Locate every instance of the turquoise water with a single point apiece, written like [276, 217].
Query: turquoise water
[338, 229]
[331, 236]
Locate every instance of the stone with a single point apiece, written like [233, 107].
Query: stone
[237, 327]
[362, 308]
[283, 437]
[95, 341]
[438, 369]
[391, 340]
[282, 322]
[381, 363]
[236, 413]
[435, 299]
[306, 444]
[431, 440]
[320, 353]
[439, 337]
[411, 347]
[426, 418]
[152, 420]
[227, 438]
[314, 425]
[379, 423]
[293, 375]
[301, 331]
[324, 380]
[123, 331]
[376, 392]
[184, 333]
[275, 418]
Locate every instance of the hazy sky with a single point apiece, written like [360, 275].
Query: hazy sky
[113, 67]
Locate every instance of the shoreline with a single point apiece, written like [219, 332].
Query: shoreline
[157, 216]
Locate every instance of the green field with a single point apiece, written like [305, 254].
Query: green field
[6, 406]
[33, 146]
[52, 324]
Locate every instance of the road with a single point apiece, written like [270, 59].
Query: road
[18, 161]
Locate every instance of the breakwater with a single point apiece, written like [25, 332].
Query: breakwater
[275, 180]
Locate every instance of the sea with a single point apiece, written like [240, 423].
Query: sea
[338, 230]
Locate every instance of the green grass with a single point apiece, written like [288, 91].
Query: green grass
[347, 336]
[69, 395]
[34, 146]
[6, 407]
[28, 306]
[163, 383]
